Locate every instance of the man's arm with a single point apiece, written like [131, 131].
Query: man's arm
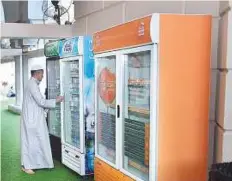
[40, 100]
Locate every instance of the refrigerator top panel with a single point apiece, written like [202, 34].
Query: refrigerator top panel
[127, 35]
[71, 47]
[139, 32]
[51, 49]
[75, 46]
[68, 47]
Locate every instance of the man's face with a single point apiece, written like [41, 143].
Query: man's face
[39, 75]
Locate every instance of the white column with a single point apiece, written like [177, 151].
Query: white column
[25, 71]
[18, 80]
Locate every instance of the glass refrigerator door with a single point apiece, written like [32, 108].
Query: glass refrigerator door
[136, 121]
[73, 127]
[53, 81]
[106, 108]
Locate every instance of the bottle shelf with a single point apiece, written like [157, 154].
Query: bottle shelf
[139, 110]
[132, 82]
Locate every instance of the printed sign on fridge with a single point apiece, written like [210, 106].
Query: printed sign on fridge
[69, 47]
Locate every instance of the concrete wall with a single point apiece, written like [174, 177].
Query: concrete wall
[224, 89]
[92, 16]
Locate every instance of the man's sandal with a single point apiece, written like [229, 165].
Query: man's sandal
[28, 171]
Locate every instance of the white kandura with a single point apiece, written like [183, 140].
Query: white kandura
[35, 143]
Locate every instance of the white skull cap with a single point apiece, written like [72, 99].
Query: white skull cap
[37, 67]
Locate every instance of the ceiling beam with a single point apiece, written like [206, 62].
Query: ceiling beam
[7, 60]
[7, 55]
[44, 31]
[35, 53]
[10, 52]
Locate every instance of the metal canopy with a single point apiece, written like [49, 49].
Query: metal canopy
[45, 31]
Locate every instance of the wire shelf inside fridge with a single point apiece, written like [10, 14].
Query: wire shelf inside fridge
[53, 90]
[136, 122]
[72, 103]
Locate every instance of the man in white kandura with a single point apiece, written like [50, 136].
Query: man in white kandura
[35, 143]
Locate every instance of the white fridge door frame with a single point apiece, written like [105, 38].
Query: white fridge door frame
[96, 57]
[153, 107]
[48, 119]
[81, 108]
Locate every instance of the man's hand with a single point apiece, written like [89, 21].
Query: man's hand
[59, 99]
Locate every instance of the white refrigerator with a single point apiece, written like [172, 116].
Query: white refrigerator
[77, 110]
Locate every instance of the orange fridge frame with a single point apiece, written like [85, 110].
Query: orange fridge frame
[183, 83]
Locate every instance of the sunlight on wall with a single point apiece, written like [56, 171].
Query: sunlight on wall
[7, 74]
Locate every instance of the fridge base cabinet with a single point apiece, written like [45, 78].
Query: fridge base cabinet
[55, 147]
[73, 160]
[104, 172]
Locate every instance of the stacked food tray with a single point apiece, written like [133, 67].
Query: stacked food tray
[139, 92]
[134, 140]
[107, 130]
[136, 122]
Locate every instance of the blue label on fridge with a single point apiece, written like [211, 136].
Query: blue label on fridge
[89, 104]
[68, 47]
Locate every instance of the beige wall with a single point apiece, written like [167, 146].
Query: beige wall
[92, 16]
[223, 111]
[225, 34]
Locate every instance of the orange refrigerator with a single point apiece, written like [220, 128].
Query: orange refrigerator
[151, 99]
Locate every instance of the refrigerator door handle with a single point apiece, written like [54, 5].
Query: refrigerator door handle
[118, 111]
[46, 93]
